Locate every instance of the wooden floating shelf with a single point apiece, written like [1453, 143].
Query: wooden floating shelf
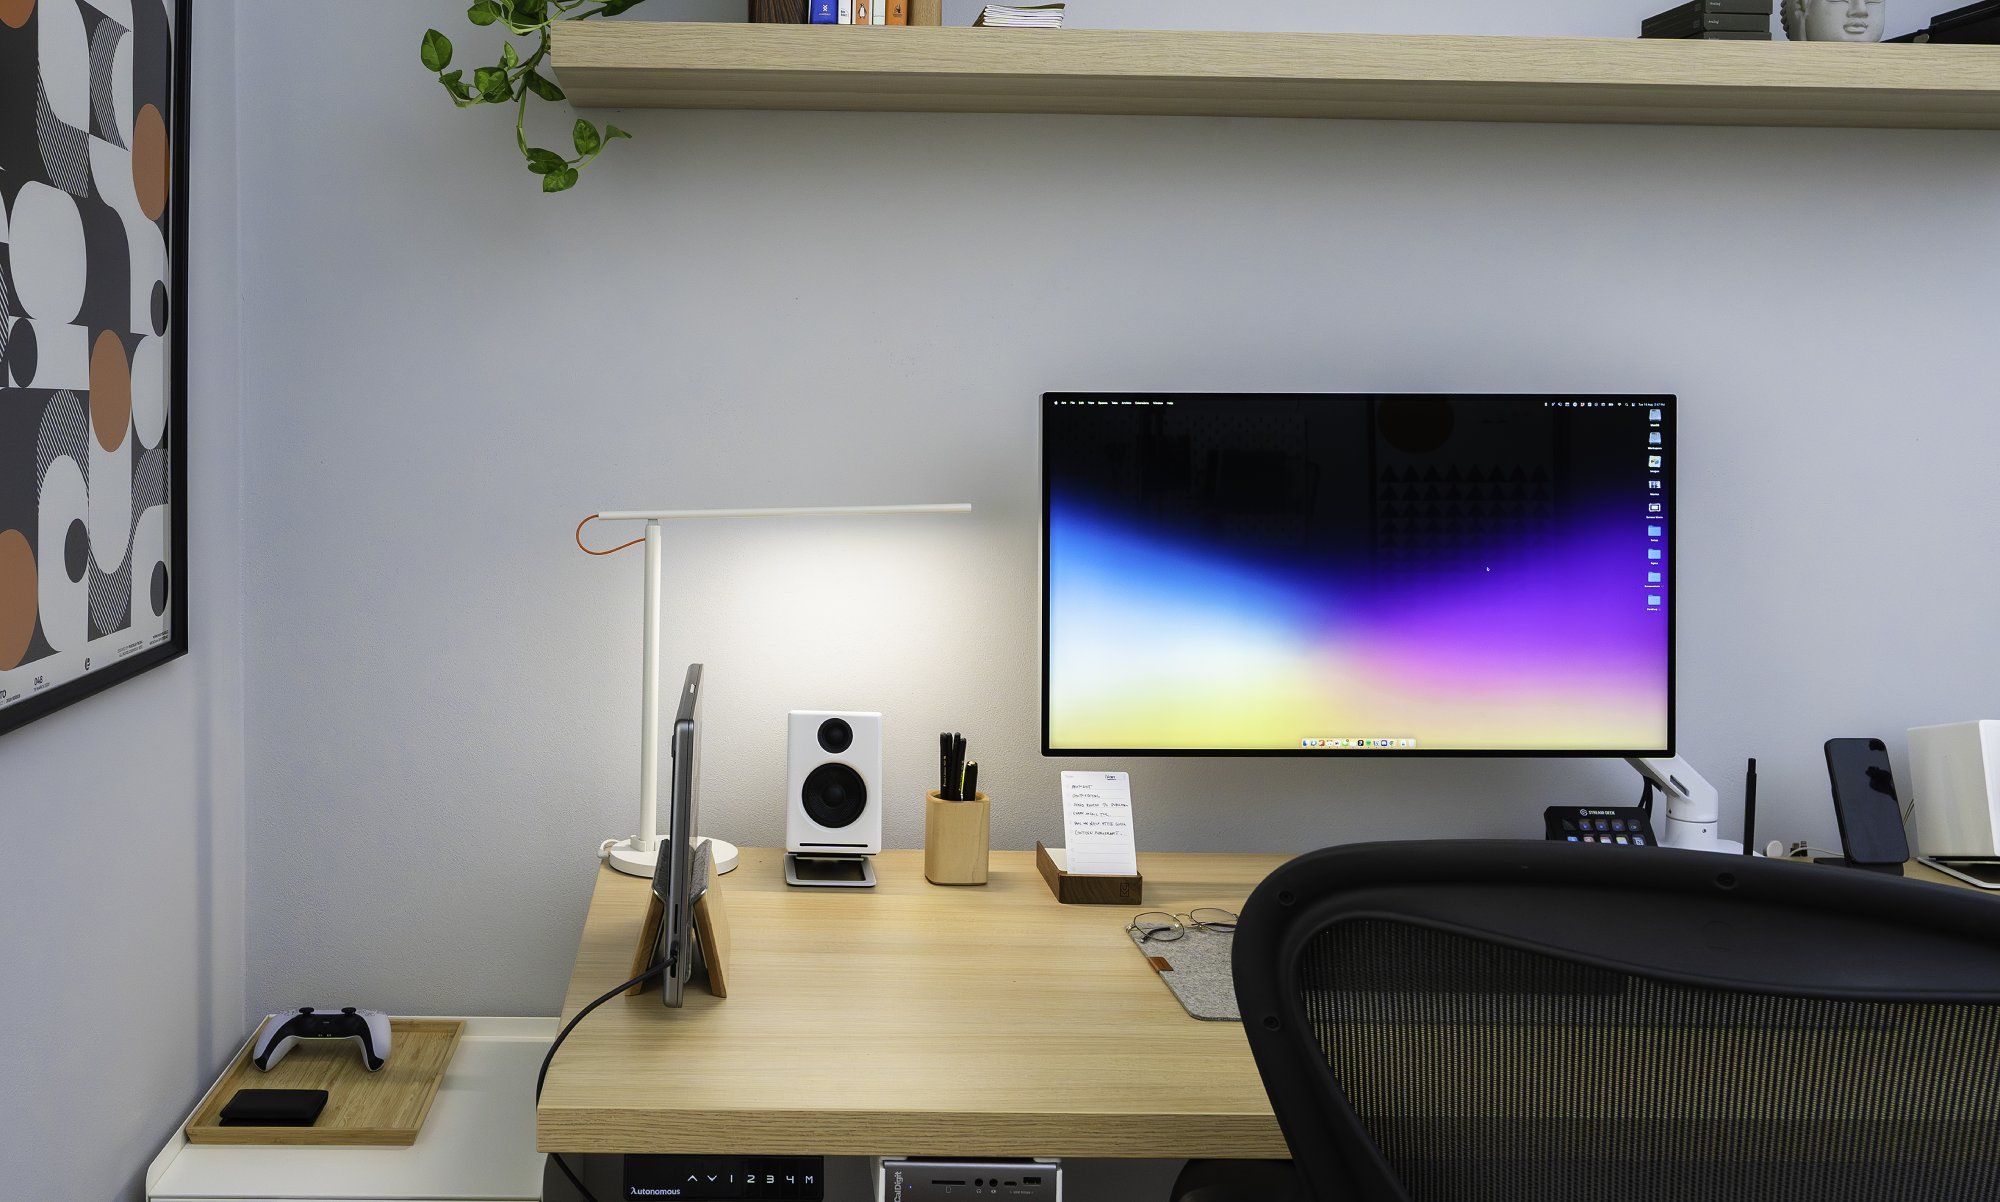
[651, 64]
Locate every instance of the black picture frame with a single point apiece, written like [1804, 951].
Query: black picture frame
[180, 123]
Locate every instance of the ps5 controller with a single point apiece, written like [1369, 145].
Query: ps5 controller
[282, 1032]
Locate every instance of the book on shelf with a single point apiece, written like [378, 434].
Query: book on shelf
[1731, 22]
[1695, 8]
[1015, 16]
[1977, 33]
[1975, 24]
[848, 12]
[1717, 19]
[1984, 10]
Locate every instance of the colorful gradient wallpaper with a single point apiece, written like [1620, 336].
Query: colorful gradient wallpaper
[1382, 574]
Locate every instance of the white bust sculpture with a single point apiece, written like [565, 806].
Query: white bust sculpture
[1793, 14]
[1841, 20]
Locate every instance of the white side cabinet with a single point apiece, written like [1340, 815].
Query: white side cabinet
[478, 1145]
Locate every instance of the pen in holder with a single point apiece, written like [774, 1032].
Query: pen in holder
[957, 835]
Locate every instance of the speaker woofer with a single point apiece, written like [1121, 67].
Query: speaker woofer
[834, 796]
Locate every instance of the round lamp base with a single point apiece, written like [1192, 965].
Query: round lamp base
[628, 859]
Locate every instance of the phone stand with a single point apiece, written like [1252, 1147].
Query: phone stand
[1891, 869]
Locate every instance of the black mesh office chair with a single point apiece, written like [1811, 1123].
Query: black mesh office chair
[1542, 1022]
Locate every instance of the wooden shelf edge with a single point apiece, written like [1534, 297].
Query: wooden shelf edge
[631, 64]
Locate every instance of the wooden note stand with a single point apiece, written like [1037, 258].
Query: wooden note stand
[1074, 890]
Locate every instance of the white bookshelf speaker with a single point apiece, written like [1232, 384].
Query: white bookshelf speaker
[835, 784]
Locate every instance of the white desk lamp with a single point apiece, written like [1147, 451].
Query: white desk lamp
[637, 855]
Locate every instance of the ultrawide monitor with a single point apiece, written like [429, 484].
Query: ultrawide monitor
[1358, 574]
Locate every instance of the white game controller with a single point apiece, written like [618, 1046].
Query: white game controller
[282, 1032]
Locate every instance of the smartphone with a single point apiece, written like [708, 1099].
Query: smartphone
[1864, 802]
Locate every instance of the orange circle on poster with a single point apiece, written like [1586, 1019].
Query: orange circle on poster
[17, 597]
[110, 391]
[15, 13]
[149, 161]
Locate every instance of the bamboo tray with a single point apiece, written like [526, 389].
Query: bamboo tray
[363, 1109]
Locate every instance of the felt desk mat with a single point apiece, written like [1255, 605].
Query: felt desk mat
[1196, 968]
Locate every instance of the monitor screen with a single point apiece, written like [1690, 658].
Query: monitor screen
[1357, 574]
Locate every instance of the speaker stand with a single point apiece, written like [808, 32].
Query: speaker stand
[829, 872]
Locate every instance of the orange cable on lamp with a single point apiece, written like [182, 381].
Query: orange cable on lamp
[613, 551]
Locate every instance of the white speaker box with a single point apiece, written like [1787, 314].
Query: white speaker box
[1955, 784]
[834, 785]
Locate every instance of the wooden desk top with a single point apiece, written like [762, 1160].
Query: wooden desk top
[911, 1019]
[914, 1019]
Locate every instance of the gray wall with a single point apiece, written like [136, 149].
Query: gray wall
[121, 864]
[447, 370]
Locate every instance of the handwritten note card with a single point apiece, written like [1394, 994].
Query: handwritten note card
[1097, 810]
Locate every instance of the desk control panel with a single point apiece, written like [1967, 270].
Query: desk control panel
[716, 1178]
[1595, 824]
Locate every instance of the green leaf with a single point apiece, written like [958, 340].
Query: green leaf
[509, 57]
[559, 181]
[611, 131]
[541, 85]
[454, 82]
[545, 162]
[436, 51]
[588, 140]
[531, 12]
[492, 84]
[484, 12]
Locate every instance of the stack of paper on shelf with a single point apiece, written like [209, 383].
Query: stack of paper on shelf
[1012, 16]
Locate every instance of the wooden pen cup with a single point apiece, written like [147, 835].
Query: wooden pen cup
[957, 836]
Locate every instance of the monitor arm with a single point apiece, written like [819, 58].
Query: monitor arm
[1694, 807]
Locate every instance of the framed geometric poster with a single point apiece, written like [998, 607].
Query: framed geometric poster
[93, 338]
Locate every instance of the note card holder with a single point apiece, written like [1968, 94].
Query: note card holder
[1073, 889]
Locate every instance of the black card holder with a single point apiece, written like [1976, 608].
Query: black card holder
[273, 1108]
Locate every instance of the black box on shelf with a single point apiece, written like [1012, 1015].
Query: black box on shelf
[1699, 18]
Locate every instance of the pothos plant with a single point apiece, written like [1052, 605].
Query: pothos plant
[513, 79]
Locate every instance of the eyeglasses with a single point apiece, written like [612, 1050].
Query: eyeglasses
[1156, 926]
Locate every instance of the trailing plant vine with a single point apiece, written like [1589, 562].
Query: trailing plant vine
[513, 79]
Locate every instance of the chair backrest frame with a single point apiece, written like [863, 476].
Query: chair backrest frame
[1709, 921]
